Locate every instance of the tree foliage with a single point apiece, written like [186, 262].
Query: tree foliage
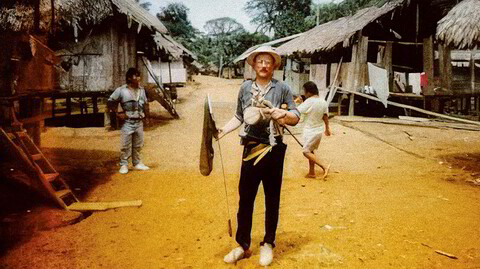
[332, 11]
[223, 38]
[283, 17]
[175, 18]
[222, 27]
[227, 39]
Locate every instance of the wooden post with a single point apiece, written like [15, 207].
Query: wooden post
[359, 60]
[351, 76]
[95, 104]
[445, 70]
[53, 106]
[428, 64]
[441, 64]
[389, 64]
[448, 67]
[477, 107]
[363, 78]
[69, 106]
[472, 71]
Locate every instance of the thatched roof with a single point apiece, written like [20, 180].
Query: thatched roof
[70, 12]
[460, 28]
[139, 14]
[326, 36]
[245, 54]
[174, 48]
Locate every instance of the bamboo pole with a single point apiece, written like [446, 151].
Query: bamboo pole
[411, 107]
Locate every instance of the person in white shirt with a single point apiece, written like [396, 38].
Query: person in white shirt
[316, 122]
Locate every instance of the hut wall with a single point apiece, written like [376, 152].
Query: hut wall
[278, 75]
[26, 65]
[169, 72]
[100, 62]
[318, 74]
[248, 72]
[5, 68]
[295, 81]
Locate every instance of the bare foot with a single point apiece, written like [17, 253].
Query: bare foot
[325, 173]
[310, 175]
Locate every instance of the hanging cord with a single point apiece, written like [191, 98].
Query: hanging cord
[230, 231]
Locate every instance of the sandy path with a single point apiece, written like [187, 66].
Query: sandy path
[380, 208]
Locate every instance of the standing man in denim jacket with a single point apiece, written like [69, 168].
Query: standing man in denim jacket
[258, 106]
[133, 100]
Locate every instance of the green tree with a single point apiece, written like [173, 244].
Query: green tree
[175, 18]
[331, 11]
[222, 27]
[283, 17]
[225, 38]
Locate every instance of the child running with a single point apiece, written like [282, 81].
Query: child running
[315, 109]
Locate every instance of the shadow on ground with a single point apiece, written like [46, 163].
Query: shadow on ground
[23, 211]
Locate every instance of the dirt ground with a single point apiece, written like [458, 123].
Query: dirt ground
[397, 197]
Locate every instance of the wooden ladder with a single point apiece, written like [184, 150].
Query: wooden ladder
[50, 180]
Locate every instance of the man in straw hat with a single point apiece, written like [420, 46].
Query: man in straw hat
[258, 106]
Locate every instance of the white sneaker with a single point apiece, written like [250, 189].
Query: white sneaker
[266, 254]
[124, 169]
[236, 254]
[141, 166]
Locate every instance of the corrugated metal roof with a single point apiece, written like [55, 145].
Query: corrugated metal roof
[326, 36]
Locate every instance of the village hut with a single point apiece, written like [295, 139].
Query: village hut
[386, 48]
[95, 42]
[247, 70]
[173, 70]
[73, 50]
[459, 33]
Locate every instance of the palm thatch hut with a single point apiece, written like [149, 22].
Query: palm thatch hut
[172, 70]
[460, 28]
[396, 38]
[94, 43]
[459, 33]
[247, 70]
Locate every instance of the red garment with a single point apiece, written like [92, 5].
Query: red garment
[423, 80]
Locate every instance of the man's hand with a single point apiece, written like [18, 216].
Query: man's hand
[278, 113]
[219, 134]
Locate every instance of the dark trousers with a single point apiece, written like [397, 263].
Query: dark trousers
[269, 171]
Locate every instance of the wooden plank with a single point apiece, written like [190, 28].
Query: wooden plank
[413, 108]
[102, 206]
[352, 77]
[427, 124]
[417, 119]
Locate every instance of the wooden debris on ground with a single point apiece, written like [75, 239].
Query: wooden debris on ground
[102, 206]
[451, 256]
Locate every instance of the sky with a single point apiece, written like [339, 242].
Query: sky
[200, 11]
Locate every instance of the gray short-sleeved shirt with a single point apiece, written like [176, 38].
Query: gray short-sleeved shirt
[279, 94]
[134, 106]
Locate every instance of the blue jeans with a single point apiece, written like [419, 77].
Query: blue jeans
[132, 141]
